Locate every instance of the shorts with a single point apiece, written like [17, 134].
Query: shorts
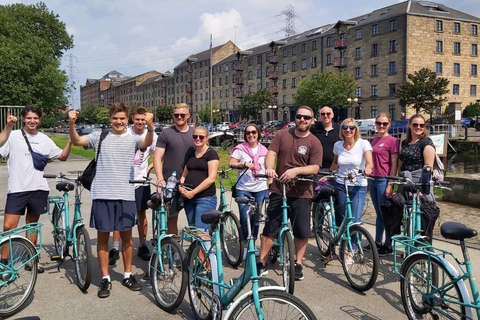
[36, 202]
[113, 215]
[298, 213]
[142, 195]
[176, 205]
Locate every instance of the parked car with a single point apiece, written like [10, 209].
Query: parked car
[233, 126]
[280, 124]
[438, 120]
[291, 125]
[223, 126]
[58, 129]
[465, 122]
[398, 127]
[367, 126]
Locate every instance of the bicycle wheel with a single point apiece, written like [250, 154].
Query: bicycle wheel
[322, 230]
[360, 266]
[232, 239]
[418, 279]
[18, 280]
[83, 260]
[200, 292]
[288, 259]
[276, 305]
[59, 236]
[169, 286]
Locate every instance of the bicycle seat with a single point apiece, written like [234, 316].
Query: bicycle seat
[154, 202]
[456, 231]
[244, 200]
[325, 193]
[65, 186]
[212, 216]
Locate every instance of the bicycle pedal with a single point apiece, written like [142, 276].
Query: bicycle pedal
[55, 258]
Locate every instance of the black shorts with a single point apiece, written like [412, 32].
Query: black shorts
[36, 202]
[142, 195]
[113, 215]
[298, 213]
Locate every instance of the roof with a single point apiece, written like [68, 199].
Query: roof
[151, 80]
[204, 55]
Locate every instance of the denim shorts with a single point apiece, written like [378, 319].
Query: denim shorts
[113, 215]
[194, 209]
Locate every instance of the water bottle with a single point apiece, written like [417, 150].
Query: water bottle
[171, 184]
[426, 177]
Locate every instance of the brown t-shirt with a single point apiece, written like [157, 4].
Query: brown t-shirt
[293, 152]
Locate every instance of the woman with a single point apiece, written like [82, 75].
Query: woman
[201, 166]
[385, 156]
[352, 154]
[250, 154]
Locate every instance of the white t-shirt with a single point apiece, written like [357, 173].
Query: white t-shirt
[248, 182]
[141, 157]
[351, 160]
[22, 175]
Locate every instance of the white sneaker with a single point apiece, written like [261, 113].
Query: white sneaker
[348, 259]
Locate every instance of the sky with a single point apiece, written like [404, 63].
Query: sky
[133, 37]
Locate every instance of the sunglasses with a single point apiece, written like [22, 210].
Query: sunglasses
[385, 124]
[251, 132]
[345, 127]
[325, 114]
[416, 125]
[179, 115]
[196, 136]
[300, 116]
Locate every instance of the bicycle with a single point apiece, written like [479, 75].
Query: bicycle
[208, 292]
[351, 236]
[66, 234]
[18, 267]
[441, 293]
[166, 266]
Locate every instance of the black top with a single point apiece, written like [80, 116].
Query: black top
[328, 139]
[411, 155]
[198, 170]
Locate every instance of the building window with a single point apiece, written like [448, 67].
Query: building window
[375, 30]
[314, 62]
[284, 53]
[456, 89]
[439, 46]
[284, 83]
[294, 82]
[473, 90]
[374, 50]
[267, 56]
[374, 89]
[392, 67]
[284, 68]
[456, 27]
[343, 53]
[226, 67]
[358, 92]
[439, 25]
[329, 41]
[358, 53]
[391, 111]
[250, 62]
[314, 45]
[304, 47]
[267, 70]
[438, 67]
[456, 48]
[221, 93]
[249, 89]
[359, 34]
[259, 86]
[250, 75]
[391, 90]
[456, 69]
[259, 73]
[374, 112]
[374, 70]
[259, 59]
[393, 25]
[267, 84]
[284, 99]
[329, 59]
[474, 50]
[358, 72]
[304, 63]
[294, 50]
[226, 80]
[473, 70]
[474, 30]
[294, 66]
[393, 46]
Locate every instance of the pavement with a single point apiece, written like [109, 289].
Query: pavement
[325, 288]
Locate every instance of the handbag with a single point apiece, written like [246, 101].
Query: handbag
[39, 160]
[89, 173]
[233, 189]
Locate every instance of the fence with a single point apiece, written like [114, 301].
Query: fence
[14, 111]
[453, 131]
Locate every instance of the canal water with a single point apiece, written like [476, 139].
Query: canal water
[463, 163]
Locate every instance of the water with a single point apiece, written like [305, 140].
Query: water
[464, 163]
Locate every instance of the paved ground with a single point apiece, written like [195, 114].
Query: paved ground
[324, 289]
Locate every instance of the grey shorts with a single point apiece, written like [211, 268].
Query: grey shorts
[113, 215]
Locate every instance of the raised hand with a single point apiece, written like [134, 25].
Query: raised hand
[11, 120]
[149, 119]
[72, 116]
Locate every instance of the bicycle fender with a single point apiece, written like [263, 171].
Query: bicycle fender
[356, 224]
[245, 295]
[18, 237]
[450, 268]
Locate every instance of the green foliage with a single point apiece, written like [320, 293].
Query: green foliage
[103, 116]
[424, 91]
[164, 113]
[253, 104]
[204, 113]
[53, 120]
[32, 42]
[325, 89]
[227, 144]
[471, 110]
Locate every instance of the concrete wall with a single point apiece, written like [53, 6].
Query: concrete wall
[465, 190]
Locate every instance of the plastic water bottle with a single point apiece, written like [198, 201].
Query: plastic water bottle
[171, 184]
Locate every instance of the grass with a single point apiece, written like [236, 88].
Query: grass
[61, 142]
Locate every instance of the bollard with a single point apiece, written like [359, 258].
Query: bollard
[466, 133]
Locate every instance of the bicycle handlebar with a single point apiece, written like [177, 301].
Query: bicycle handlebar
[49, 176]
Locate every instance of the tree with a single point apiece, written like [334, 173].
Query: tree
[204, 114]
[253, 104]
[423, 90]
[164, 113]
[325, 89]
[102, 116]
[32, 42]
[471, 110]
[88, 115]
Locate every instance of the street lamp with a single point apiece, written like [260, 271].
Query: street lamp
[352, 101]
[273, 108]
[476, 113]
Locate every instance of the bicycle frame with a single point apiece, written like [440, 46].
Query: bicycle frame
[159, 230]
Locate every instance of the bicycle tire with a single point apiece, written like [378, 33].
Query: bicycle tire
[274, 304]
[83, 259]
[232, 239]
[23, 251]
[322, 230]
[361, 258]
[200, 302]
[288, 259]
[173, 259]
[421, 309]
[59, 235]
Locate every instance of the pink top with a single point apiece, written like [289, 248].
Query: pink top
[383, 148]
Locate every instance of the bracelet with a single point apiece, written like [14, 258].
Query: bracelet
[150, 130]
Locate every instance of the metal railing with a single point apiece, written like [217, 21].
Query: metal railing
[454, 131]
[14, 111]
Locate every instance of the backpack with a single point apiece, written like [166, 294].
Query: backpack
[438, 169]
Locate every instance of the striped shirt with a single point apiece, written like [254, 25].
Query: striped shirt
[114, 166]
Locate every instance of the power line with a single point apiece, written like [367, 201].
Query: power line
[72, 79]
[289, 21]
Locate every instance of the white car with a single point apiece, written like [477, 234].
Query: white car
[223, 126]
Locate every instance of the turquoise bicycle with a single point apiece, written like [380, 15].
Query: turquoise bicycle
[18, 267]
[210, 295]
[66, 234]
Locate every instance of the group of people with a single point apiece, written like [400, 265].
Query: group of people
[117, 205]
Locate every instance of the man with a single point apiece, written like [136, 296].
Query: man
[297, 152]
[113, 197]
[328, 133]
[142, 193]
[172, 144]
[27, 188]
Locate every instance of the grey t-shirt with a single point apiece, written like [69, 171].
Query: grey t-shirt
[114, 166]
[176, 144]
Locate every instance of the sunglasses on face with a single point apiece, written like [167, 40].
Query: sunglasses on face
[251, 132]
[416, 125]
[179, 115]
[300, 116]
[378, 123]
[325, 114]
[345, 127]
[196, 136]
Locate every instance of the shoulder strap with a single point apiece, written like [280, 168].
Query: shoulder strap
[26, 140]
[102, 136]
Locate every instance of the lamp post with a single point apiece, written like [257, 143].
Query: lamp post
[477, 125]
[351, 102]
[273, 108]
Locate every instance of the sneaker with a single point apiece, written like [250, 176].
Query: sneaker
[40, 269]
[113, 256]
[261, 269]
[385, 251]
[144, 253]
[298, 272]
[349, 259]
[132, 283]
[368, 249]
[104, 289]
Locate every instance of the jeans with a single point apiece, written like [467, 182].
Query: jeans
[194, 208]
[358, 195]
[254, 224]
[377, 193]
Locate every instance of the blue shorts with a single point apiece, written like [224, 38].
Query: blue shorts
[36, 202]
[113, 215]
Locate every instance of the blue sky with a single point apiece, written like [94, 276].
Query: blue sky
[137, 36]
